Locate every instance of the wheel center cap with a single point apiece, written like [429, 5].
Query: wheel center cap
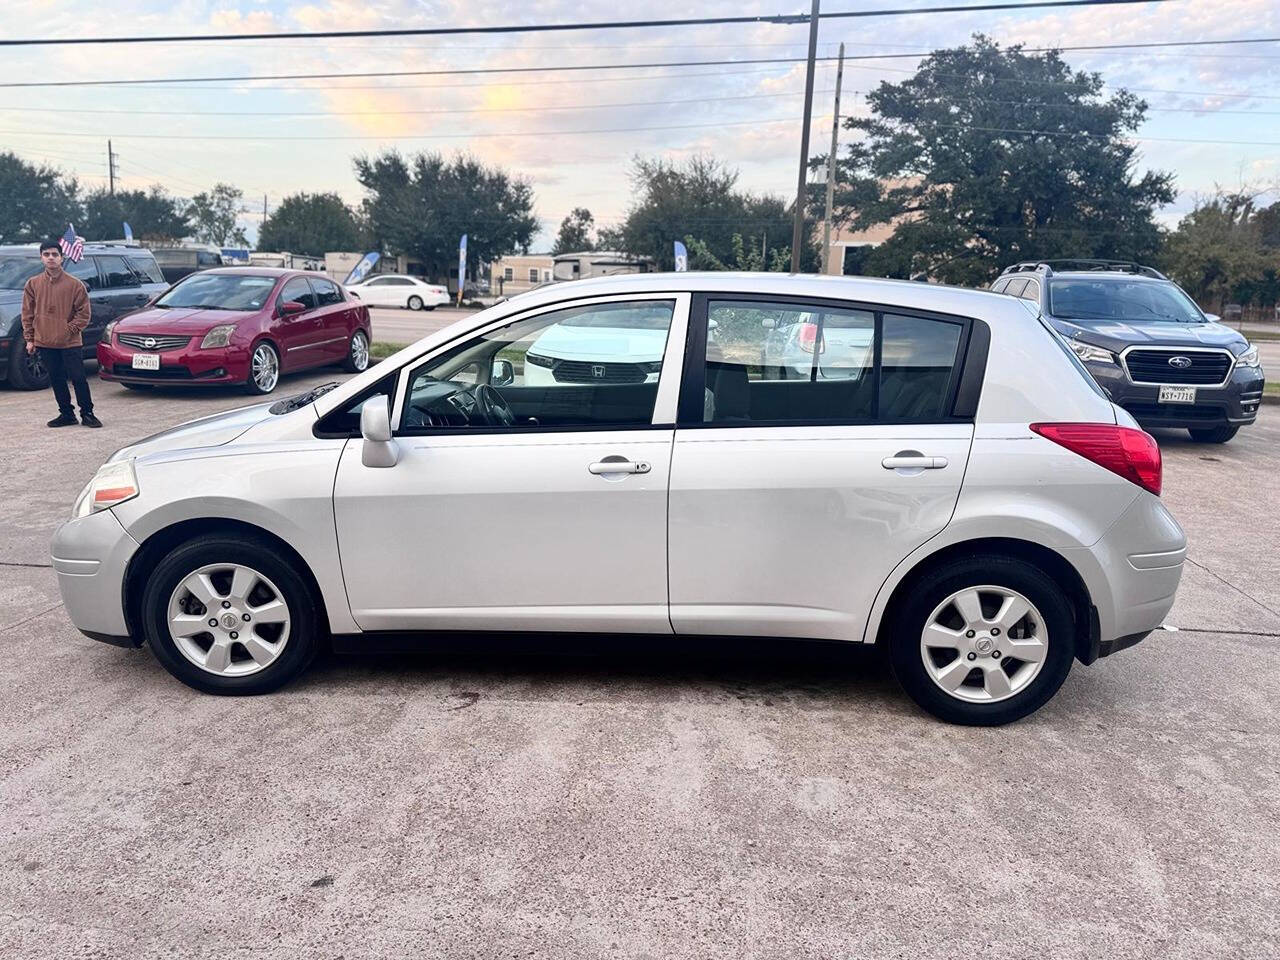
[984, 645]
[230, 621]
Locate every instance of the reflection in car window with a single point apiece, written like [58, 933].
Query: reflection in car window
[146, 268]
[1114, 299]
[326, 292]
[586, 366]
[16, 271]
[299, 291]
[220, 291]
[116, 272]
[86, 271]
[788, 362]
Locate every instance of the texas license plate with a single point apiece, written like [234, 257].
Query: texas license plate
[1177, 394]
[151, 361]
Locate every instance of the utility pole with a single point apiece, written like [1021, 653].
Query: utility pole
[798, 227]
[831, 169]
[264, 208]
[111, 169]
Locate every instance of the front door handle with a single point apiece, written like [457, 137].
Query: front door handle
[913, 462]
[618, 465]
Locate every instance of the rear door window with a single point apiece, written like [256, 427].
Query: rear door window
[1015, 287]
[146, 268]
[116, 272]
[86, 271]
[326, 292]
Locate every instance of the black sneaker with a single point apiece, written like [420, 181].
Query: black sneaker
[63, 420]
[89, 420]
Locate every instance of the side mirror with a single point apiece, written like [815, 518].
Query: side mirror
[290, 308]
[1213, 318]
[503, 374]
[379, 450]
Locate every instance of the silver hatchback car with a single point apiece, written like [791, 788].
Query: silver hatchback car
[960, 493]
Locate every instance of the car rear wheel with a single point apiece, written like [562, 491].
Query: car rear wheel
[982, 640]
[264, 369]
[26, 370]
[415, 303]
[357, 353]
[1213, 434]
[230, 616]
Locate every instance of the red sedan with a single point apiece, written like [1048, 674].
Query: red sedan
[237, 325]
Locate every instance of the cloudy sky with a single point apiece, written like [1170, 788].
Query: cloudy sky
[573, 134]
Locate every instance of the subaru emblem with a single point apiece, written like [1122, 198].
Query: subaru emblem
[597, 370]
[1180, 362]
[150, 344]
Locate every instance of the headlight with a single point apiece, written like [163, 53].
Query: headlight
[113, 483]
[108, 330]
[1088, 352]
[218, 336]
[538, 360]
[1249, 358]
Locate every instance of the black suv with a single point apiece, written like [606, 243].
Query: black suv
[1146, 343]
[121, 278]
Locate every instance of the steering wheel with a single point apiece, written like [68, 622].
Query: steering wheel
[491, 407]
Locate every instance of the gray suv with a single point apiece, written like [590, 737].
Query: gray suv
[1147, 344]
[121, 278]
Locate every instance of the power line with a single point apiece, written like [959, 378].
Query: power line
[777, 19]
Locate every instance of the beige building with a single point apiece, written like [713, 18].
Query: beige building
[842, 239]
[517, 273]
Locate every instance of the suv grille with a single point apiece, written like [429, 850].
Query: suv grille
[144, 341]
[1152, 366]
[586, 371]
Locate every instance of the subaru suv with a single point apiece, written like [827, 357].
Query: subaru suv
[1147, 344]
[970, 501]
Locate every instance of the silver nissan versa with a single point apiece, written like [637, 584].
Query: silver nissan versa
[960, 492]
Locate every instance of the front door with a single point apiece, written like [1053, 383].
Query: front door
[794, 496]
[299, 333]
[335, 317]
[527, 494]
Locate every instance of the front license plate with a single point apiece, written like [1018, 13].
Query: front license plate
[151, 361]
[1177, 394]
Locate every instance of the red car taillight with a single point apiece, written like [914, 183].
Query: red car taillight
[1130, 453]
[807, 336]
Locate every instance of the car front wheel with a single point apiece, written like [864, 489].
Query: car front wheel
[982, 640]
[1213, 434]
[264, 369]
[230, 616]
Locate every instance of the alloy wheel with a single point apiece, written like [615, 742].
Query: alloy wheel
[359, 351]
[228, 619]
[265, 368]
[984, 644]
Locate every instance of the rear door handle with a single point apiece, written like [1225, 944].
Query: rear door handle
[913, 463]
[618, 466]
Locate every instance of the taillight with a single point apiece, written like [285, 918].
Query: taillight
[1130, 453]
[807, 336]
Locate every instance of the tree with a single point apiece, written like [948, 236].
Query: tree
[1220, 254]
[751, 260]
[699, 199]
[152, 215]
[312, 223]
[215, 214]
[422, 205]
[35, 202]
[575, 232]
[987, 156]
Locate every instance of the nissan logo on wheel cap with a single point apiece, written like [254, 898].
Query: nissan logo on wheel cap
[1180, 362]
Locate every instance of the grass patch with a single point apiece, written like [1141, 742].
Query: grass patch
[1272, 389]
[380, 350]
[1268, 335]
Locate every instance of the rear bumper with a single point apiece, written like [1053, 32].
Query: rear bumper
[90, 556]
[1233, 404]
[186, 366]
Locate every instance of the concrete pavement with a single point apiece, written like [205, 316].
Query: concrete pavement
[636, 802]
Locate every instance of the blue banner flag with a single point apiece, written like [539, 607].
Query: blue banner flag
[682, 258]
[128, 233]
[361, 269]
[462, 267]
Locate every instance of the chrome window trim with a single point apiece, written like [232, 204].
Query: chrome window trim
[1124, 365]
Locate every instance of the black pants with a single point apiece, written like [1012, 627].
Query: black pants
[62, 363]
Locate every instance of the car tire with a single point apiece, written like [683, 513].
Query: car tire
[264, 369]
[287, 647]
[927, 604]
[415, 303]
[1213, 434]
[357, 359]
[26, 371]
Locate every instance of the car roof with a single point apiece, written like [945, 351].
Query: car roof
[1101, 275]
[129, 249]
[262, 272]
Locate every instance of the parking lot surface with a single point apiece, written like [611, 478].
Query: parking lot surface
[574, 801]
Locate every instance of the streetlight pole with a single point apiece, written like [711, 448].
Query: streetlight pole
[797, 228]
[831, 169]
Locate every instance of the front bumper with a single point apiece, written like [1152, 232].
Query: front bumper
[187, 365]
[1233, 404]
[90, 556]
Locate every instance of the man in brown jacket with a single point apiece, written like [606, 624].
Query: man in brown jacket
[55, 311]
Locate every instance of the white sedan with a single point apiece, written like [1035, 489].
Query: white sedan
[398, 290]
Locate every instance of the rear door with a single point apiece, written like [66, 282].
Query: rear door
[793, 499]
[148, 273]
[123, 287]
[336, 319]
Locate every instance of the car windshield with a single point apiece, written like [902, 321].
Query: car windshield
[622, 316]
[16, 271]
[220, 291]
[1112, 299]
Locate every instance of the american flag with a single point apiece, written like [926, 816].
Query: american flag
[72, 246]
